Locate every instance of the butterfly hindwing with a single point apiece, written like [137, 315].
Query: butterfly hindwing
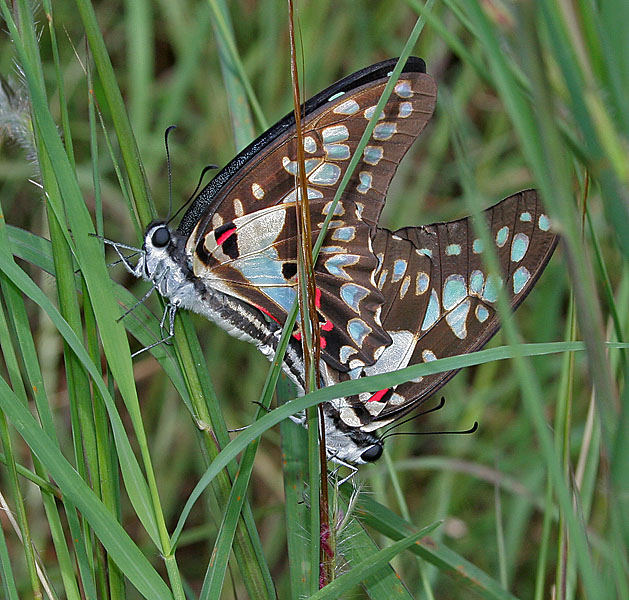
[440, 302]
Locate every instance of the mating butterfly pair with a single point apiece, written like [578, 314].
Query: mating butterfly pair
[386, 299]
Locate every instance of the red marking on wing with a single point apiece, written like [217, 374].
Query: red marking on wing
[323, 342]
[224, 236]
[327, 326]
[264, 310]
[318, 298]
[378, 395]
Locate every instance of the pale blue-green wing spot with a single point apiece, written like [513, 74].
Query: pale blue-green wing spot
[440, 300]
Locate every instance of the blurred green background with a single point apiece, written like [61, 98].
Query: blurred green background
[530, 95]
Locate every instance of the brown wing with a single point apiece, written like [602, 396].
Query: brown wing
[440, 301]
[246, 249]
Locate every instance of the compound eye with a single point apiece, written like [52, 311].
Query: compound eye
[372, 453]
[161, 237]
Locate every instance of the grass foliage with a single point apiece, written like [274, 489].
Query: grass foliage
[118, 478]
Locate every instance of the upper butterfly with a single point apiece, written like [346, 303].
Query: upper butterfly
[385, 300]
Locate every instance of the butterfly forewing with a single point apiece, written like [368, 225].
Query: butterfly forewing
[253, 258]
[245, 243]
[440, 300]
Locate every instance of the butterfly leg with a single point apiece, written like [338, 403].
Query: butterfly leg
[238, 429]
[299, 418]
[123, 259]
[247, 426]
[342, 463]
[352, 468]
[140, 301]
[169, 312]
[116, 244]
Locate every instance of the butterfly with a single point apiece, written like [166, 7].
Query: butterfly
[385, 300]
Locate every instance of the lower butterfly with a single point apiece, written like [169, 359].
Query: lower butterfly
[386, 300]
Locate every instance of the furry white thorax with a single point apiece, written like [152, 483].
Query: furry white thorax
[169, 269]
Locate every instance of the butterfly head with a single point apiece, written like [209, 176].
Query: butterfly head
[159, 235]
[356, 452]
[157, 238]
[156, 250]
[162, 245]
[351, 445]
[373, 452]
[163, 262]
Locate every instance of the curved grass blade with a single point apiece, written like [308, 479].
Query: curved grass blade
[88, 253]
[386, 522]
[141, 323]
[366, 384]
[356, 545]
[136, 485]
[112, 535]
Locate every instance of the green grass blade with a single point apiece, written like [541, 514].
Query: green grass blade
[365, 384]
[86, 570]
[213, 584]
[355, 545]
[109, 531]
[140, 60]
[141, 323]
[8, 581]
[247, 546]
[237, 85]
[294, 458]
[394, 527]
[231, 60]
[122, 125]
[88, 253]
[18, 500]
[556, 118]
[21, 326]
[619, 466]
[136, 485]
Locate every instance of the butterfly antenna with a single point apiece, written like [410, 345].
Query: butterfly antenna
[441, 404]
[170, 174]
[472, 429]
[266, 408]
[192, 196]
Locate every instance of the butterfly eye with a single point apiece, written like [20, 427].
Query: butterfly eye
[161, 237]
[372, 453]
